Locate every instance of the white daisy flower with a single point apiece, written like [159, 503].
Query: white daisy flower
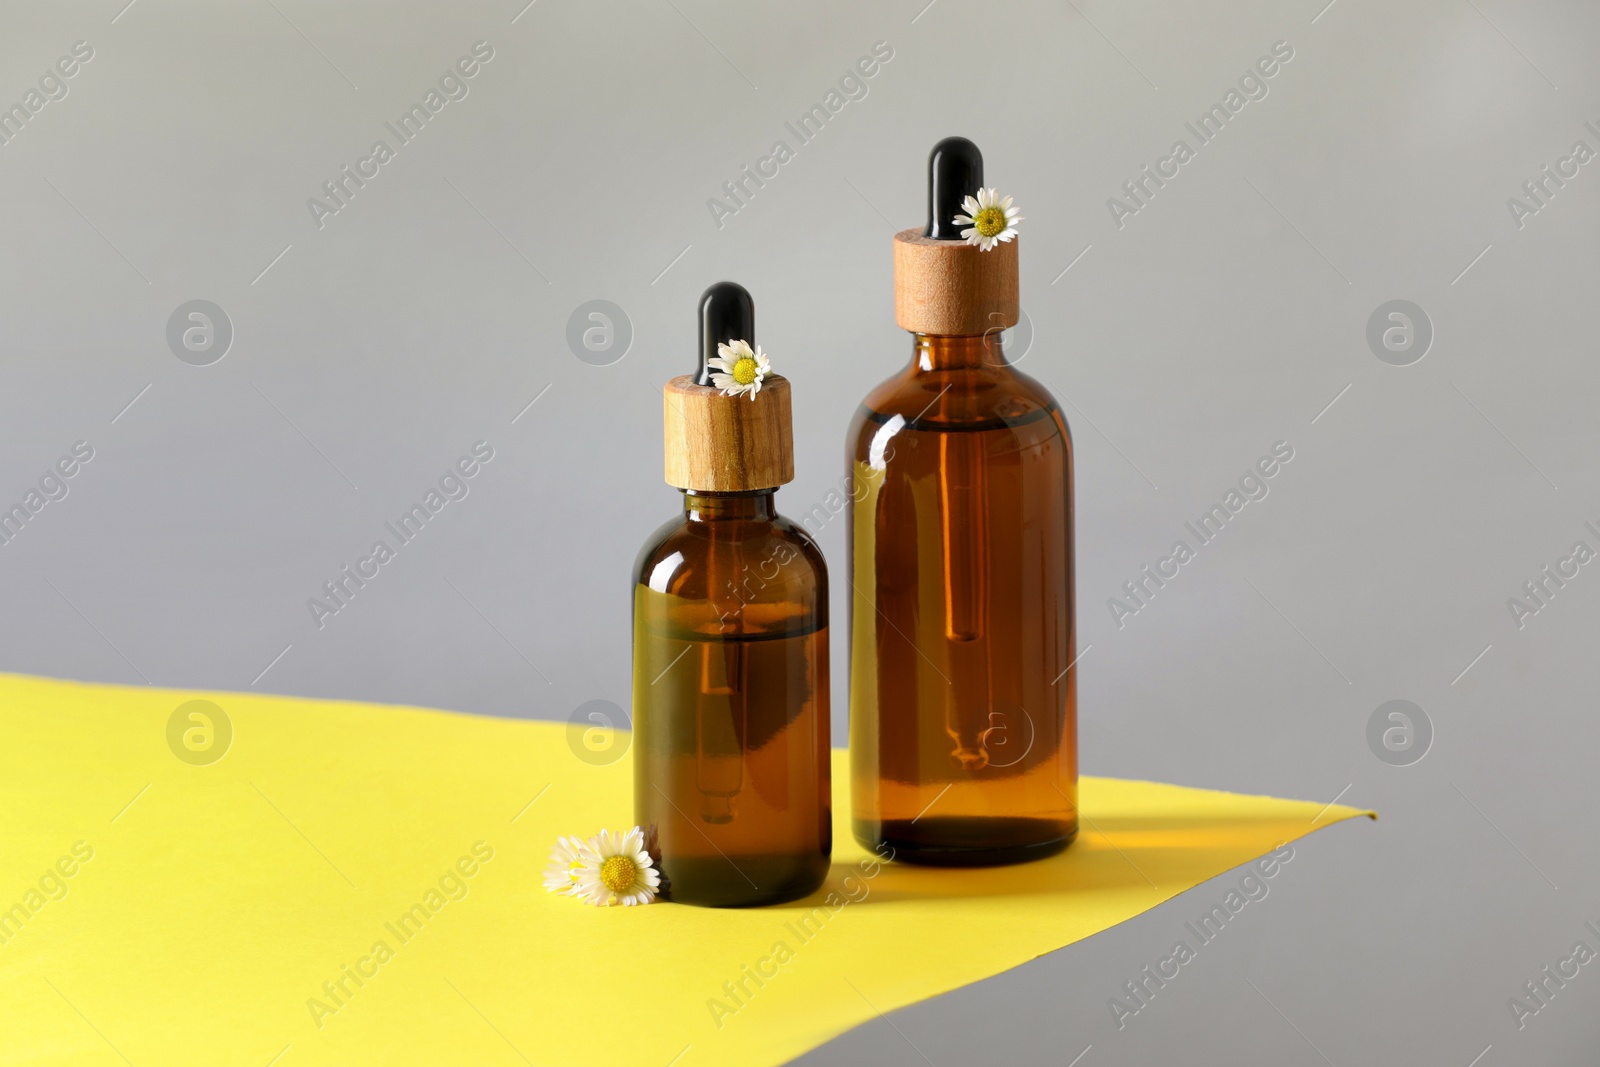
[566, 862]
[737, 370]
[989, 219]
[617, 870]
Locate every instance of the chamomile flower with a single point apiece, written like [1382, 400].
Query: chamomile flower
[566, 862]
[617, 870]
[989, 219]
[737, 370]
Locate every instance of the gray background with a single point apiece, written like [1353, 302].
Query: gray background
[1223, 317]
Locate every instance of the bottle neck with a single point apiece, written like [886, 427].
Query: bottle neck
[758, 506]
[934, 352]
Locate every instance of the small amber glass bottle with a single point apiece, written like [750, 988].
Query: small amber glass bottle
[730, 662]
[963, 706]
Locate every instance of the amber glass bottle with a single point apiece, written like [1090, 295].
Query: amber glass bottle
[963, 708]
[730, 668]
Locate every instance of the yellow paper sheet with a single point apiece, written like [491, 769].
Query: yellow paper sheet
[215, 913]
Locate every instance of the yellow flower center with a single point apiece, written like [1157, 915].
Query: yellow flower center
[617, 874]
[989, 221]
[744, 371]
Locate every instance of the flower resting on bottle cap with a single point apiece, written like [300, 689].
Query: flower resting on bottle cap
[989, 219]
[738, 370]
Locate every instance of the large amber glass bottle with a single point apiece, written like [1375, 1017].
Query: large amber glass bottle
[963, 708]
[730, 670]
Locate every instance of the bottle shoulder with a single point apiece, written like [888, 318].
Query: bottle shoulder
[768, 560]
[658, 547]
[967, 399]
[801, 537]
[967, 394]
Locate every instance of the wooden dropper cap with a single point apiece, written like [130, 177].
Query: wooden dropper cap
[942, 285]
[726, 444]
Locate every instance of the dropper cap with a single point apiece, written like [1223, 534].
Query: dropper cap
[955, 172]
[727, 314]
[716, 443]
[942, 285]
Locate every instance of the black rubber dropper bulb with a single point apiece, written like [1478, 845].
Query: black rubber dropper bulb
[727, 314]
[955, 172]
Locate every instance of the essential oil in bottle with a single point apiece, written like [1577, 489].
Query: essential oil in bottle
[730, 649]
[963, 693]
